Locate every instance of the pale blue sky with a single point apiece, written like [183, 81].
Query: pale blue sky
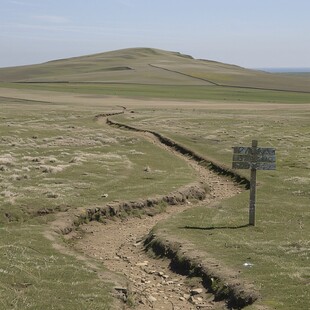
[250, 33]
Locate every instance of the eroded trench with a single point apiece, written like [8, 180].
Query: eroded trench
[159, 272]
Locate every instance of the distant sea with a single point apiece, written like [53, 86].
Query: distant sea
[285, 70]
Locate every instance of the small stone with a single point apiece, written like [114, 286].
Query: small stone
[181, 298]
[147, 169]
[121, 289]
[196, 291]
[151, 298]
[145, 263]
[193, 300]
[52, 195]
[145, 281]
[151, 271]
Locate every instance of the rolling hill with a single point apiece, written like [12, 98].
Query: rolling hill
[150, 66]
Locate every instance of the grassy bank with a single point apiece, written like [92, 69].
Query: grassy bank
[36, 276]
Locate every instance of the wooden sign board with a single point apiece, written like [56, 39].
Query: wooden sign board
[253, 165]
[253, 158]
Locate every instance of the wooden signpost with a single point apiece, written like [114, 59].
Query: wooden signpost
[254, 158]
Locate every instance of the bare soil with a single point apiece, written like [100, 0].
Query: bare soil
[150, 283]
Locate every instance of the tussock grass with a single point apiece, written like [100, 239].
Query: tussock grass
[35, 276]
[7, 160]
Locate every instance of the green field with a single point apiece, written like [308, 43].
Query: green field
[55, 157]
[185, 93]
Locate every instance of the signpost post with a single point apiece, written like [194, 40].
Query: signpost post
[254, 158]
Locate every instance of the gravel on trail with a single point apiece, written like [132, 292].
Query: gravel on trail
[151, 284]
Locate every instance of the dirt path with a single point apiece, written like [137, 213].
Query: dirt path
[151, 283]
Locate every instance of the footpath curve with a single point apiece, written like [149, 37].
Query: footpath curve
[121, 244]
[182, 255]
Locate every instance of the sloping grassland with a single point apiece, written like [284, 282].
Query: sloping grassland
[151, 66]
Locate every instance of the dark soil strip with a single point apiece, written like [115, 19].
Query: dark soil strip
[229, 85]
[186, 261]
[108, 114]
[195, 191]
[187, 75]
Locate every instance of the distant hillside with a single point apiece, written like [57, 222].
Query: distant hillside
[150, 66]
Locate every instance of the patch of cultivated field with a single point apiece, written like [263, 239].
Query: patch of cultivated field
[274, 255]
[56, 158]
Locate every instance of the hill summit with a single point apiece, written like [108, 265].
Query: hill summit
[149, 66]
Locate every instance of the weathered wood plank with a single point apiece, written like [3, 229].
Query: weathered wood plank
[242, 150]
[238, 157]
[264, 166]
[253, 165]
[266, 157]
[269, 158]
[241, 165]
